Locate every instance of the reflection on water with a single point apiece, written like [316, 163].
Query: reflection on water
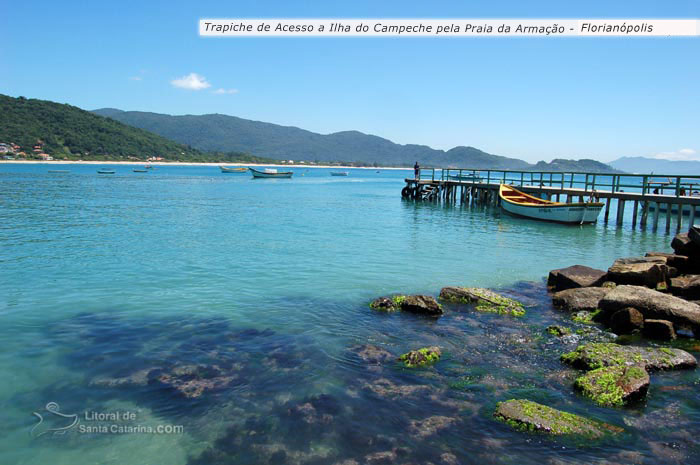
[238, 309]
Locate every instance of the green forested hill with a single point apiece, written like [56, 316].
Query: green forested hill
[229, 133]
[67, 132]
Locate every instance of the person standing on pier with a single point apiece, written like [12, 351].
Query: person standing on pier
[416, 171]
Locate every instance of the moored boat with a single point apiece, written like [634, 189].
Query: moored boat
[270, 173]
[339, 173]
[522, 204]
[136, 170]
[105, 171]
[59, 171]
[465, 177]
[226, 169]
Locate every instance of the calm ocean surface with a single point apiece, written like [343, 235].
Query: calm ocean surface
[257, 290]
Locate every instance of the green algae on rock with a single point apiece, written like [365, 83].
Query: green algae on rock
[602, 354]
[485, 299]
[556, 330]
[421, 357]
[526, 415]
[614, 386]
[387, 304]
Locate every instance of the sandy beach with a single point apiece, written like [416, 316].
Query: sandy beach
[92, 162]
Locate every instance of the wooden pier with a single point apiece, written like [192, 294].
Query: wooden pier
[671, 199]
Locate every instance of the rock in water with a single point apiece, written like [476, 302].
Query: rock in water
[614, 385]
[531, 416]
[653, 305]
[679, 262]
[687, 287]
[581, 299]
[485, 299]
[659, 329]
[421, 357]
[386, 304]
[641, 271]
[423, 304]
[605, 354]
[574, 277]
[558, 331]
[626, 321]
[682, 245]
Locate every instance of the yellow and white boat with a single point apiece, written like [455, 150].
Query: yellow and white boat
[522, 204]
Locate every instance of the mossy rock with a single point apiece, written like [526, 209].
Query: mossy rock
[526, 415]
[586, 317]
[485, 300]
[421, 357]
[614, 386]
[388, 303]
[559, 331]
[604, 354]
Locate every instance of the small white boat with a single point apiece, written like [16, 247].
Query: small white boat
[339, 173]
[270, 173]
[465, 177]
[522, 204]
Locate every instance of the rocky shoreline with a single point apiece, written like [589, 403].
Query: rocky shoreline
[651, 297]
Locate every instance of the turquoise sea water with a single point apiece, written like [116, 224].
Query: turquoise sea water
[258, 291]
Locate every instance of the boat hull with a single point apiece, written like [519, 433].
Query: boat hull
[339, 173]
[518, 203]
[574, 214]
[262, 174]
[233, 170]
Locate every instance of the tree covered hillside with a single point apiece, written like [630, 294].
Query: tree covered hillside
[65, 131]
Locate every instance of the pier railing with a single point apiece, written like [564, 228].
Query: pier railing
[662, 184]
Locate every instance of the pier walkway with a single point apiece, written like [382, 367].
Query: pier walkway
[653, 197]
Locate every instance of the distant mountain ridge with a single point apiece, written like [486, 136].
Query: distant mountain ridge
[223, 133]
[655, 165]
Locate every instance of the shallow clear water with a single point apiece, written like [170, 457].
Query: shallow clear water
[110, 283]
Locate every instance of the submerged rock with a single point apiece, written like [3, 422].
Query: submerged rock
[192, 381]
[614, 385]
[642, 271]
[421, 357]
[430, 426]
[659, 329]
[653, 305]
[574, 277]
[603, 354]
[626, 321]
[423, 304]
[580, 299]
[372, 354]
[386, 388]
[485, 299]
[530, 416]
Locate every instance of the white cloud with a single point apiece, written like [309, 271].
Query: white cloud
[225, 91]
[192, 81]
[135, 78]
[682, 154]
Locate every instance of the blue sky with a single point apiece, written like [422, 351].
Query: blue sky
[532, 98]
